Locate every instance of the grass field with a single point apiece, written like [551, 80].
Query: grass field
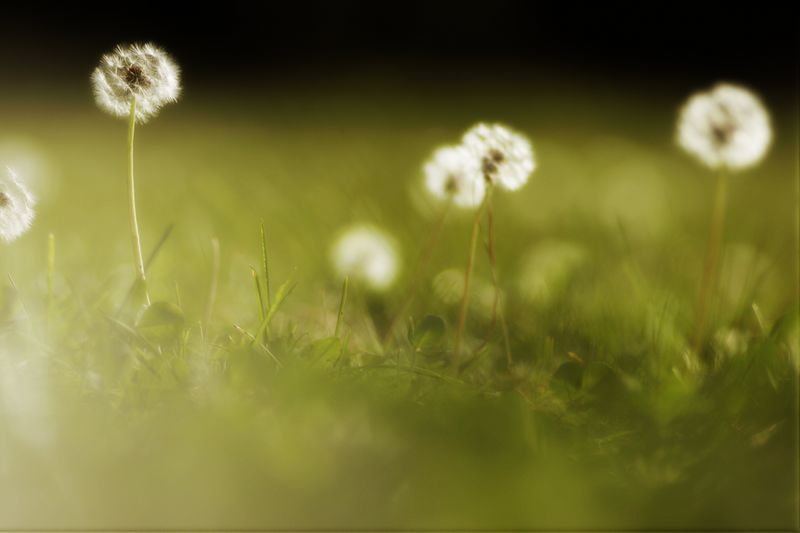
[176, 418]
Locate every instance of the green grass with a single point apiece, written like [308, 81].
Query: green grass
[283, 411]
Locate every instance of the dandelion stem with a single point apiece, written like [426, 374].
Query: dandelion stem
[490, 251]
[462, 312]
[712, 259]
[137, 241]
[150, 258]
[423, 260]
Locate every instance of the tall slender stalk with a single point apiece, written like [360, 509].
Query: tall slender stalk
[265, 265]
[712, 259]
[342, 302]
[262, 310]
[490, 251]
[137, 241]
[493, 267]
[462, 312]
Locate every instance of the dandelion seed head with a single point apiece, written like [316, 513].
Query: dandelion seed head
[453, 173]
[29, 159]
[16, 206]
[727, 126]
[145, 72]
[368, 255]
[505, 157]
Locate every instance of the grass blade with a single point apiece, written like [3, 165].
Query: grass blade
[259, 293]
[284, 291]
[265, 265]
[342, 301]
[150, 258]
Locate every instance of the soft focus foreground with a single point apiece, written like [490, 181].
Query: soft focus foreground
[179, 418]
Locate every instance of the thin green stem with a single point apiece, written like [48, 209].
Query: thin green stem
[712, 259]
[265, 264]
[147, 264]
[262, 311]
[462, 312]
[342, 302]
[137, 241]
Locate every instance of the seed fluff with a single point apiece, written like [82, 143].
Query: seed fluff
[368, 255]
[506, 157]
[453, 172]
[727, 126]
[16, 206]
[145, 72]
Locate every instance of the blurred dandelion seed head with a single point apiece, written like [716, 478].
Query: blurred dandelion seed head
[547, 269]
[145, 72]
[448, 286]
[727, 126]
[454, 173]
[366, 254]
[505, 157]
[28, 158]
[16, 206]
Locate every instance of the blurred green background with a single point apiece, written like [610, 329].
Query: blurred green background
[604, 422]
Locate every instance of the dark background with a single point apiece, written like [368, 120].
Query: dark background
[753, 43]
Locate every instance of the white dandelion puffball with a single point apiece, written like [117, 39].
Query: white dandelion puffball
[16, 206]
[727, 126]
[368, 255]
[506, 157]
[145, 72]
[454, 173]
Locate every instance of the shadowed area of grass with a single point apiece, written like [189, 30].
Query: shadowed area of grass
[111, 418]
